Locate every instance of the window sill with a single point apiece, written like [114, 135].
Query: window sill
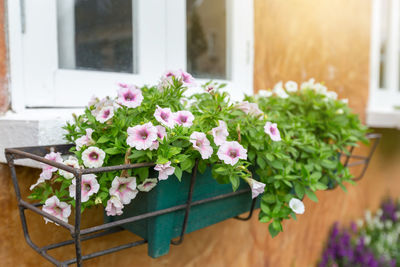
[383, 118]
[33, 127]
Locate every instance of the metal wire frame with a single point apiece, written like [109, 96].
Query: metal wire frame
[363, 160]
[78, 235]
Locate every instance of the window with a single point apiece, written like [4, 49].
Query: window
[384, 100]
[64, 51]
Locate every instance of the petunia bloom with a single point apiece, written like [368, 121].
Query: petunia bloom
[220, 133]
[85, 140]
[209, 88]
[164, 170]
[129, 95]
[186, 77]
[256, 187]
[114, 206]
[201, 144]
[297, 206]
[264, 93]
[89, 186]
[93, 157]
[142, 137]
[165, 117]
[231, 151]
[279, 91]
[184, 118]
[58, 209]
[308, 84]
[272, 130]
[71, 162]
[332, 95]
[124, 188]
[291, 86]
[101, 104]
[47, 170]
[249, 108]
[161, 133]
[147, 185]
[105, 114]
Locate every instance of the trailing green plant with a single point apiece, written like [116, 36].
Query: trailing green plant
[238, 141]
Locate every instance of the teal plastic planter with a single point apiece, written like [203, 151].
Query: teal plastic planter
[160, 230]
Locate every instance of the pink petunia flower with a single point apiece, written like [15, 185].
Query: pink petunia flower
[184, 118]
[114, 206]
[93, 101]
[220, 133]
[47, 170]
[209, 88]
[105, 114]
[85, 140]
[272, 130]
[164, 170]
[100, 104]
[250, 108]
[161, 133]
[165, 117]
[58, 209]
[89, 187]
[71, 162]
[256, 187]
[201, 144]
[129, 95]
[231, 151]
[142, 137]
[93, 157]
[147, 185]
[124, 188]
[186, 77]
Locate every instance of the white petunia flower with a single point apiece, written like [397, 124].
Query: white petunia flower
[297, 206]
[89, 186]
[124, 188]
[71, 162]
[147, 184]
[93, 157]
[291, 86]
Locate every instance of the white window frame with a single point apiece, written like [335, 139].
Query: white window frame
[37, 81]
[381, 103]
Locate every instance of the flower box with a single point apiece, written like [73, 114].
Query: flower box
[160, 230]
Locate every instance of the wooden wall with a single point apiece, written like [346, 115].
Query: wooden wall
[295, 39]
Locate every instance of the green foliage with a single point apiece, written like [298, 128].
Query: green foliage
[313, 129]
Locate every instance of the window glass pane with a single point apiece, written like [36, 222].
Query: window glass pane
[206, 38]
[96, 35]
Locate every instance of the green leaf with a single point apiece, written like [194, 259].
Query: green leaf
[272, 231]
[311, 195]
[112, 151]
[137, 154]
[187, 164]
[103, 139]
[264, 219]
[299, 189]
[315, 176]
[235, 181]
[178, 173]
